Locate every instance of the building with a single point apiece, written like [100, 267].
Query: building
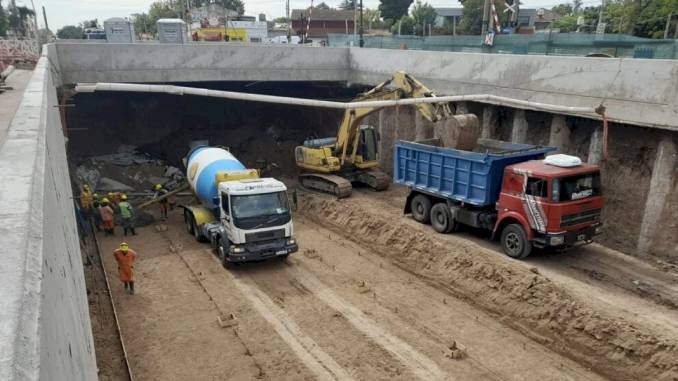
[323, 21]
[527, 17]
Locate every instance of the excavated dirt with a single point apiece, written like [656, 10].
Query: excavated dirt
[521, 297]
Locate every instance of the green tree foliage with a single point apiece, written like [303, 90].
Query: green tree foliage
[3, 21]
[90, 24]
[372, 19]
[323, 6]
[235, 5]
[19, 18]
[423, 15]
[566, 24]
[563, 9]
[347, 5]
[70, 32]
[642, 18]
[405, 25]
[472, 17]
[394, 9]
[280, 20]
[143, 23]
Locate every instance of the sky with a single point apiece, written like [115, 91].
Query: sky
[72, 12]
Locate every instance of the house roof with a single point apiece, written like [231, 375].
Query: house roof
[323, 14]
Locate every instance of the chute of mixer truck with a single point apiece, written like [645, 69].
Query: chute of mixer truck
[244, 217]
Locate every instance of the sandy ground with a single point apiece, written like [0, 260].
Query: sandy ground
[335, 310]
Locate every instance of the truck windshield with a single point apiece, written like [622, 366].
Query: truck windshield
[255, 211]
[576, 187]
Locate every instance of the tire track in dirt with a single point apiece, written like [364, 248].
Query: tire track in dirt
[421, 365]
[319, 362]
[532, 303]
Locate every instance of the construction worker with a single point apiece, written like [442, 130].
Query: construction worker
[96, 214]
[86, 201]
[127, 214]
[125, 258]
[107, 212]
[159, 192]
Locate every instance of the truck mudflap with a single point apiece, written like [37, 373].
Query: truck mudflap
[262, 250]
[569, 239]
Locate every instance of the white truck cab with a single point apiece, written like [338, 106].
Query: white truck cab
[254, 221]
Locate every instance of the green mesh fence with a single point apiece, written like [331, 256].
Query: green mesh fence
[564, 44]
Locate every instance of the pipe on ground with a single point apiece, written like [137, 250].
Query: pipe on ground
[181, 90]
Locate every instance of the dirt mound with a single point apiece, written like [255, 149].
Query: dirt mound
[522, 298]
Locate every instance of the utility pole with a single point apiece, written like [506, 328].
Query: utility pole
[289, 21]
[668, 24]
[486, 11]
[362, 42]
[355, 22]
[44, 16]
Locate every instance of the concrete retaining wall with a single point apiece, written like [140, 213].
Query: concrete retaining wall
[45, 329]
[149, 62]
[635, 91]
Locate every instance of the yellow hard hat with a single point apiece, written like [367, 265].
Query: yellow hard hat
[96, 195]
[123, 197]
[85, 187]
[124, 246]
[105, 200]
[110, 194]
[157, 187]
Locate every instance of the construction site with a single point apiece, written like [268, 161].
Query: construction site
[339, 213]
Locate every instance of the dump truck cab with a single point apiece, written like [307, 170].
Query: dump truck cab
[557, 202]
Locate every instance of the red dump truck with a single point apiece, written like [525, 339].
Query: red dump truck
[526, 199]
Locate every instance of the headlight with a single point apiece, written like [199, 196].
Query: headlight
[291, 241]
[557, 240]
[237, 249]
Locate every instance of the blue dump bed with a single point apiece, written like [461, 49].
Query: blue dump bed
[471, 177]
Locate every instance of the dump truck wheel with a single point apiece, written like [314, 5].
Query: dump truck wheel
[421, 208]
[441, 218]
[196, 231]
[514, 241]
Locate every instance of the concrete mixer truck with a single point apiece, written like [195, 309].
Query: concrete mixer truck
[244, 217]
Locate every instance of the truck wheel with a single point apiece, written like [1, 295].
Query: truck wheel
[196, 231]
[223, 253]
[188, 219]
[421, 208]
[441, 218]
[514, 241]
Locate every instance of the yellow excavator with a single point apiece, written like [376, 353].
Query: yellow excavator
[330, 165]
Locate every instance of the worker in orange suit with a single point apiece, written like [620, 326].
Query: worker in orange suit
[125, 258]
[107, 213]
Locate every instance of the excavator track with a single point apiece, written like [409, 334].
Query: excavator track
[376, 179]
[331, 184]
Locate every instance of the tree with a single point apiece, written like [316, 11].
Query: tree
[472, 17]
[423, 15]
[347, 5]
[142, 23]
[566, 24]
[280, 20]
[394, 9]
[576, 6]
[405, 25]
[3, 21]
[563, 9]
[323, 6]
[70, 32]
[90, 24]
[19, 18]
[234, 5]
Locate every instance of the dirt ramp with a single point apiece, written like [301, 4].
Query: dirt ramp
[522, 298]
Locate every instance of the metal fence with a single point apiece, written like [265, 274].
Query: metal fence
[563, 44]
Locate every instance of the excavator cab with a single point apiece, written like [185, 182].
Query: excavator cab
[368, 144]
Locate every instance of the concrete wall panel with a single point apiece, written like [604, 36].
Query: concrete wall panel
[635, 91]
[150, 62]
[45, 329]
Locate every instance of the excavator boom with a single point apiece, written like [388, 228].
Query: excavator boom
[331, 164]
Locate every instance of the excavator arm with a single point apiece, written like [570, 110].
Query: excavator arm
[404, 86]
